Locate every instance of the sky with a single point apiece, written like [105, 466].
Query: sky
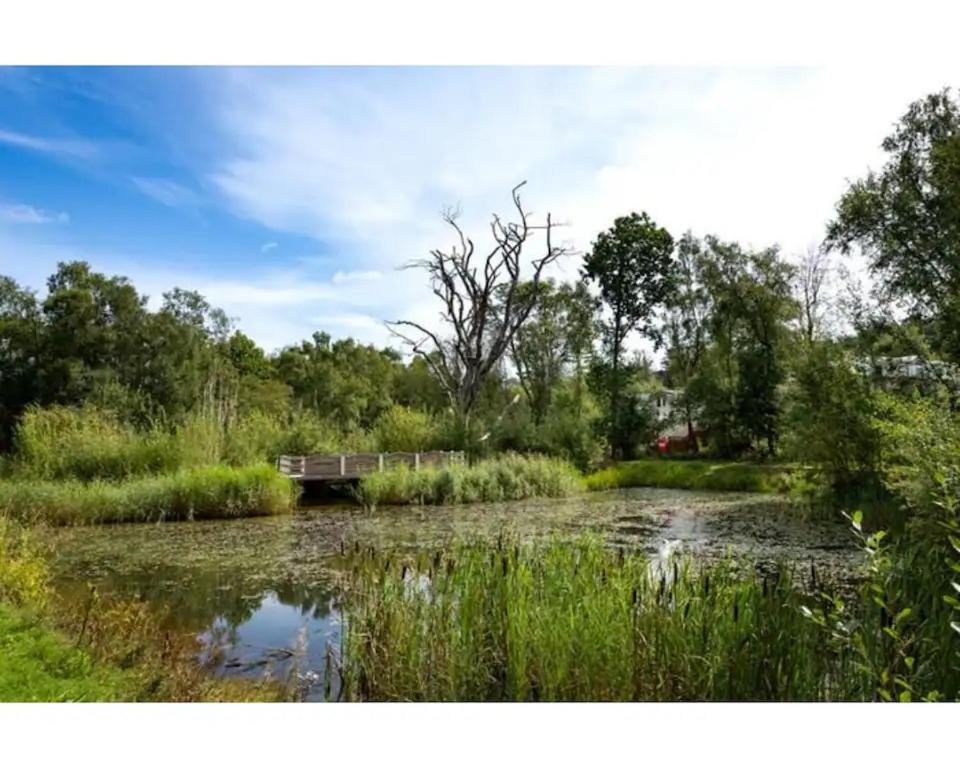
[293, 198]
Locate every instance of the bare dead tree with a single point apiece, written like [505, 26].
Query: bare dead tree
[811, 283]
[482, 306]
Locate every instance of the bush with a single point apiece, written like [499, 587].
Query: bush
[831, 418]
[192, 494]
[507, 478]
[403, 429]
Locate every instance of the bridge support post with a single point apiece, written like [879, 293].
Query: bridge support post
[380, 462]
[416, 462]
[343, 465]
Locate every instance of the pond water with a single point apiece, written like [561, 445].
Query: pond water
[260, 594]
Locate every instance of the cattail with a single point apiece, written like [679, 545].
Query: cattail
[706, 585]
[686, 609]
[403, 573]
[634, 596]
[341, 548]
[662, 588]
[764, 586]
[503, 561]
[736, 612]
[813, 576]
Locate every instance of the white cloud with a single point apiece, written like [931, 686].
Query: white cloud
[368, 160]
[72, 147]
[20, 213]
[166, 191]
[362, 276]
[267, 247]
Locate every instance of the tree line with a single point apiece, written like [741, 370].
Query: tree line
[762, 350]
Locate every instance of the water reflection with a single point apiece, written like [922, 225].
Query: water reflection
[261, 594]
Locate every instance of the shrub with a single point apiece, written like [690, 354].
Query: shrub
[403, 429]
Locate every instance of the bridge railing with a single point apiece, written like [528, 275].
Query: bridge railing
[354, 465]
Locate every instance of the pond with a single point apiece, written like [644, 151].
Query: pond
[261, 593]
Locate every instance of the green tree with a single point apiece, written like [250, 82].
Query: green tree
[752, 304]
[906, 218]
[832, 415]
[558, 334]
[632, 266]
[686, 328]
[20, 349]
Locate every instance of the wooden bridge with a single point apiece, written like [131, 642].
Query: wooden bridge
[352, 466]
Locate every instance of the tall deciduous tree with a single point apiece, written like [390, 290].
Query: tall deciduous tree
[632, 265]
[906, 218]
[482, 303]
[686, 327]
[557, 335]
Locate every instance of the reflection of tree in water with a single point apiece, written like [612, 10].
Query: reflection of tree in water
[198, 599]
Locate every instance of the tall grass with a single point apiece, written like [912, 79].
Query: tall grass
[578, 622]
[193, 494]
[88, 443]
[696, 475]
[506, 478]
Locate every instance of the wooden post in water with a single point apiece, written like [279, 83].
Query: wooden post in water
[416, 462]
[380, 462]
[343, 465]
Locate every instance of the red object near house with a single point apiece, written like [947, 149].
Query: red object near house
[663, 445]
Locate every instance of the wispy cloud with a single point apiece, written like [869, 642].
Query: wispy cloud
[20, 213]
[267, 247]
[166, 191]
[71, 147]
[363, 276]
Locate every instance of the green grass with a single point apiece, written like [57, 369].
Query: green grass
[697, 475]
[577, 621]
[39, 664]
[202, 493]
[506, 478]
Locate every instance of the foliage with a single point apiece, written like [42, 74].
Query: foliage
[507, 478]
[906, 218]
[577, 622]
[832, 416]
[404, 429]
[193, 494]
[87, 443]
[558, 332]
[696, 475]
[632, 266]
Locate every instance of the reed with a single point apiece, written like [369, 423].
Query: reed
[696, 475]
[193, 494]
[577, 621]
[508, 477]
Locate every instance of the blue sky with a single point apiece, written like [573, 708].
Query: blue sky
[291, 197]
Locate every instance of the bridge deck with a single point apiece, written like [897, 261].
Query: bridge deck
[352, 466]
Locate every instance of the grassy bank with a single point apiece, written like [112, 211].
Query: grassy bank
[695, 474]
[96, 649]
[40, 664]
[506, 478]
[579, 622]
[205, 492]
